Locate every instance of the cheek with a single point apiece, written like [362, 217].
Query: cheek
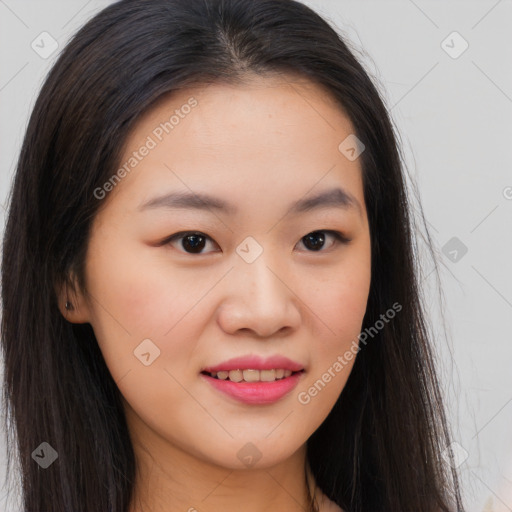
[138, 295]
[340, 300]
[339, 310]
[339, 304]
[134, 294]
[142, 301]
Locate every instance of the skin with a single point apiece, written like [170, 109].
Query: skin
[261, 145]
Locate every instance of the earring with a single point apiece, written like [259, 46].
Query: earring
[69, 305]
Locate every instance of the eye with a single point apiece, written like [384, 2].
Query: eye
[193, 242]
[316, 239]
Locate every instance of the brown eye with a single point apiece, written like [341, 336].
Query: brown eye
[315, 240]
[192, 242]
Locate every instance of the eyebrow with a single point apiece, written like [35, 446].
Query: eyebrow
[331, 198]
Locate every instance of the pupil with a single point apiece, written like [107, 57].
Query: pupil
[317, 235]
[193, 243]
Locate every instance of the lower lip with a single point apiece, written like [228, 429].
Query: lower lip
[256, 393]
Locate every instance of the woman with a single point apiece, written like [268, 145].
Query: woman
[210, 292]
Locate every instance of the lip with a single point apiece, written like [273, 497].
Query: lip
[256, 393]
[256, 363]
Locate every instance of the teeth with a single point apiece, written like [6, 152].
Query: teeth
[250, 375]
[267, 375]
[236, 375]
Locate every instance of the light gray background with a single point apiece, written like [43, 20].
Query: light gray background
[454, 116]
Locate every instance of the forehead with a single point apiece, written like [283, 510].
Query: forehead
[261, 109]
[269, 135]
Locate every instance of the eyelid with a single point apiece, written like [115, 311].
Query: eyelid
[339, 236]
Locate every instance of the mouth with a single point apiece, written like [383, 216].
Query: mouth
[252, 375]
[255, 390]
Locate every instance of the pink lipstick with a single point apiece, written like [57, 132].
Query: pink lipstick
[254, 380]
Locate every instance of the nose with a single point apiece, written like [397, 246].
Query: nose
[259, 299]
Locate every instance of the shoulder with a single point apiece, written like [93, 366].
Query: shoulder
[332, 507]
[326, 505]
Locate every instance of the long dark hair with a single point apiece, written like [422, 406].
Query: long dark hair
[381, 446]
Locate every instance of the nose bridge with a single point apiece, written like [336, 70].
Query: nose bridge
[259, 299]
[260, 282]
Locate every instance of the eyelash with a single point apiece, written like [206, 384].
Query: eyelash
[338, 236]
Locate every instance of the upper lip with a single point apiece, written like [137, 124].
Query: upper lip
[256, 363]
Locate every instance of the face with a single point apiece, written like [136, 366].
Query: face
[263, 270]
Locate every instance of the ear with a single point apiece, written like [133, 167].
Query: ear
[72, 304]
